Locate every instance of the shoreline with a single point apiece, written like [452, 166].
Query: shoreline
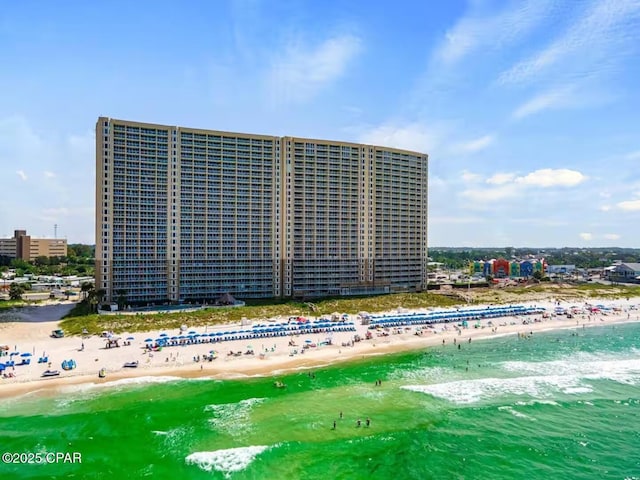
[278, 359]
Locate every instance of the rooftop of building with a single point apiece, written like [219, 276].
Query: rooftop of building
[133, 123]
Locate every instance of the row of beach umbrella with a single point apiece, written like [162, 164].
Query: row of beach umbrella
[255, 332]
[449, 316]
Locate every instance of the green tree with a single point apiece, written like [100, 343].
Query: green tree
[87, 289]
[121, 298]
[21, 265]
[16, 290]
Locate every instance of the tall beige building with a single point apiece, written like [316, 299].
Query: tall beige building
[26, 247]
[188, 214]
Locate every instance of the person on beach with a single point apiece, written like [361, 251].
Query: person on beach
[368, 421]
[358, 423]
[334, 424]
[340, 415]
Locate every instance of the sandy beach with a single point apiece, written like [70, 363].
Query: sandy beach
[28, 330]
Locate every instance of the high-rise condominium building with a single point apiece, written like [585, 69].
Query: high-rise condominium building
[185, 214]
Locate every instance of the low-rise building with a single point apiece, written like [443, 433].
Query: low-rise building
[561, 269]
[28, 248]
[626, 273]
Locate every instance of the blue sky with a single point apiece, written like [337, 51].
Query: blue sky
[529, 110]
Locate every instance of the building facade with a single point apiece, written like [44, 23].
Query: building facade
[28, 248]
[501, 268]
[625, 273]
[186, 214]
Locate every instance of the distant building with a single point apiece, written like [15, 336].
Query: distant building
[561, 269]
[626, 272]
[27, 248]
[502, 268]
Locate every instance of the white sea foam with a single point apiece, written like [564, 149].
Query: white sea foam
[540, 402]
[471, 391]
[226, 461]
[174, 438]
[588, 366]
[134, 381]
[515, 413]
[85, 391]
[426, 374]
[570, 375]
[233, 418]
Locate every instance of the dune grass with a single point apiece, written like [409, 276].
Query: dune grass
[285, 308]
[262, 310]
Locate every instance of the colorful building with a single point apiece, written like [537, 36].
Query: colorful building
[502, 268]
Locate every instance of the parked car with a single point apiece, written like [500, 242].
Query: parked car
[57, 334]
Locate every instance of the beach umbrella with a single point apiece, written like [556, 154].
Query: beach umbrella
[26, 354]
[163, 335]
[174, 338]
[2, 366]
[308, 341]
[149, 340]
[192, 332]
[130, 338]
[14, 353]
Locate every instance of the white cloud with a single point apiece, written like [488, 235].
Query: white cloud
[549, 177]
[633, 155]
[482, 196]
[586, 236]
[589, 45]
[629, 205]
[32, 150]
[612, 236]
[605, 208]
[412, 136]
[436, 182]
[470, 177]
[508, 185]
[49, 174]
[478, 30]
[605, 194]
[475, 145]
[303, 71]
[501, 178]
[556, 98]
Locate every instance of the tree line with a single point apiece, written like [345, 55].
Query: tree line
[78, 261]
[458, 258]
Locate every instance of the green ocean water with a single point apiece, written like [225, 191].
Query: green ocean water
[559, 405]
